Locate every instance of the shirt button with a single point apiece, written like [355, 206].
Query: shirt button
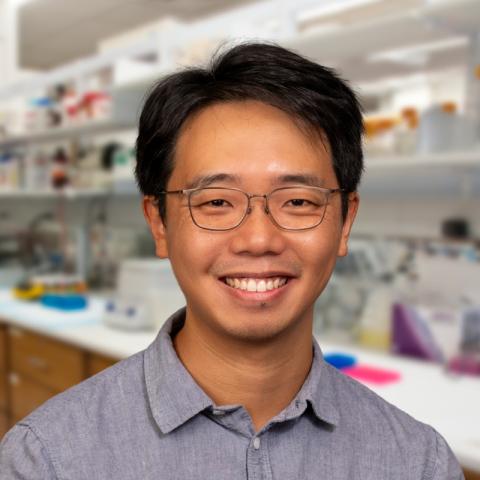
[256, 443]
[218, 412]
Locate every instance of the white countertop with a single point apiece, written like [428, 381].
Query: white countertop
[83, 328]
[451, 404]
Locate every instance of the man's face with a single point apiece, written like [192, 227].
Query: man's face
[256, 145]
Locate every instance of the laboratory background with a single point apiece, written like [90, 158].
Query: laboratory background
[80, 287]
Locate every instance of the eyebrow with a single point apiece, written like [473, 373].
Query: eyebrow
[300, 178]
[202, 181]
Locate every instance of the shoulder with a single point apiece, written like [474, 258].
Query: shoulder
[384, 429]
[357, 403]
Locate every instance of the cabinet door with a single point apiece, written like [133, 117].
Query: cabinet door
[26, 395]
[49, 362]
[96, 363]
[3, 391]
[3, 348]
[469, 475]
[3, 424]
[3, 368]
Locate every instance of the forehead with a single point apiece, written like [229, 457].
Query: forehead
[249, 139]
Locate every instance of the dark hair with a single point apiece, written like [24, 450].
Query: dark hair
[312, 94]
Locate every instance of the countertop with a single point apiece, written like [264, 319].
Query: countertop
[450, 403]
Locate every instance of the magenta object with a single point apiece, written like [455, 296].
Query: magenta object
[375, 375]
[469, 364]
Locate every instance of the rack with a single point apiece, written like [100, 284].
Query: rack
[446, 174]
[453, 173]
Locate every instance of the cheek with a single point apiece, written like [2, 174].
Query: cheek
[192, 250]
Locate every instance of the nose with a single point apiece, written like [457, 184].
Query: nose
[258, 235]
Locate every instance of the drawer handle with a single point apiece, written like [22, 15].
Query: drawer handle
[38, 362]
[14, 379]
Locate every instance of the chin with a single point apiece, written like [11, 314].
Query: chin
[259, 327]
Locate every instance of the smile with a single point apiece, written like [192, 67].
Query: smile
[256, 284]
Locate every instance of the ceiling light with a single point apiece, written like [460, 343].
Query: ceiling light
[19, 3]
[417, 53]
[333, 7]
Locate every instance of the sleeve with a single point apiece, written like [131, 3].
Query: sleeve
[24, 457]
[446, 466]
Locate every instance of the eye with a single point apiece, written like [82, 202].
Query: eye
[214, 204]
[299, 202]
[218, 202]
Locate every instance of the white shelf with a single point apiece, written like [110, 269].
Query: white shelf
[64, 133]
[351, 45]
[68, 194]
[449, 160]
[450, 173]
[126, 105]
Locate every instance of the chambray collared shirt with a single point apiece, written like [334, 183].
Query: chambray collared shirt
[145, 418]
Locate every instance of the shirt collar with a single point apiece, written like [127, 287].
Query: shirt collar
[173, 394]
[318, 389]
[175, 397]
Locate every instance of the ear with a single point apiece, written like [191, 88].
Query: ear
[353, 202]
[156, 224]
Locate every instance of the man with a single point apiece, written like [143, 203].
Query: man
[249, 171]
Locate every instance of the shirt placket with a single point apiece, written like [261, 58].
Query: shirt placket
[258, 462]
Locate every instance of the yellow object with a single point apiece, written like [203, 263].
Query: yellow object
[375, 339]
[29, 292]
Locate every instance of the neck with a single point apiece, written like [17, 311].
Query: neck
[262, 377]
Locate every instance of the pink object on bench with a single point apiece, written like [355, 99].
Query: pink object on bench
[375, 375]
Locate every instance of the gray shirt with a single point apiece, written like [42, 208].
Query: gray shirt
[146, 418]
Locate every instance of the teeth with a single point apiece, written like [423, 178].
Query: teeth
[256, 285]
[252, 285]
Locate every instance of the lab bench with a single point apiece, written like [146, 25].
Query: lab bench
[43, 352]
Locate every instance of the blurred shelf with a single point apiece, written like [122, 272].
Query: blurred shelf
[352, 46]
[126, 106]
[469, 159]
[64, 133]
[68, 194]
[450, 173]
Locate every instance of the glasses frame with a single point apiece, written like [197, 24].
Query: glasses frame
[189, 191]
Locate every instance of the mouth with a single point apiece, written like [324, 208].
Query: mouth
[256, 284]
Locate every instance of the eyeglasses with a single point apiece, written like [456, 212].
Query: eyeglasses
[290, 208]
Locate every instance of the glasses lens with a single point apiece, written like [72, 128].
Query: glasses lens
[218, 208]
[298, 208]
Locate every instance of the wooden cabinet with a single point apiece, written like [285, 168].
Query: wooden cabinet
[96, 363]
[49, 362]
[469, 475]
[4, 424]
[3, 391]
[3, 381]
[34, 368]
[3, 348]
